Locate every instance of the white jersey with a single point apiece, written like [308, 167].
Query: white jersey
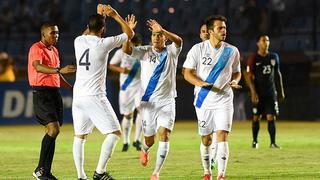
[214, 66]
[158, 72]
[131, 80]
[92, 55]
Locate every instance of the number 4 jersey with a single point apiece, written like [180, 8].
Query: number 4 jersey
[92, 55]
[214, 66]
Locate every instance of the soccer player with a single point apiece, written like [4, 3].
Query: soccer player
[129, 95]
[158, 81]
[91, 107]
[205, 36]
[45, 78]
[213, 66]
[264, 79]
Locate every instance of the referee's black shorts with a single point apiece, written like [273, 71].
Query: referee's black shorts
[47, 105]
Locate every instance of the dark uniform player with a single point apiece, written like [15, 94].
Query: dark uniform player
[265, 82]
[44, 74]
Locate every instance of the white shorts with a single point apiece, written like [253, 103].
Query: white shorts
[155, 114]
[93, 111]
[210, 120]
[129, 100]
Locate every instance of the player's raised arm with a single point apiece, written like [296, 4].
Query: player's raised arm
[110, 12]
[132, 23]
[154, 26]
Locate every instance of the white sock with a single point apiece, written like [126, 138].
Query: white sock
[138, 130]
[163, 150]
[214, 147]
[205, 152]
[126, 125]
[78, 156]
[107, 149]
[222, 156]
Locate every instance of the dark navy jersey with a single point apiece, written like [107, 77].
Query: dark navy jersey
[264, 69]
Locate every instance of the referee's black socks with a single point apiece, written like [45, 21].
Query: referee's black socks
[47, 152]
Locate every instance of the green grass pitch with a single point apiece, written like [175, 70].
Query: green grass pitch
[299, 157]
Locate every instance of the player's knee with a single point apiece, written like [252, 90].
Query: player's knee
[270, 117]
[222, 136]
[149, 141]
[128, 116]
[118, 133]
[53, 132]
[164, 134]
[206, 140]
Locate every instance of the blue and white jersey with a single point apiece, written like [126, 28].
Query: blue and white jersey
[216, 67]
[132, 79]
[158, 72]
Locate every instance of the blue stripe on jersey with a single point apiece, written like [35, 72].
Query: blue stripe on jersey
[214, 74]
[131, 75]
[155, 77]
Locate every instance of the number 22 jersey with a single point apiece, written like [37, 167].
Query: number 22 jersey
[214, 66]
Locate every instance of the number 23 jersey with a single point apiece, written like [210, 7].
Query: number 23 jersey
[91, 57]
[264, 69]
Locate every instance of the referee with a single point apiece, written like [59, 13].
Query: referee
[45, 78]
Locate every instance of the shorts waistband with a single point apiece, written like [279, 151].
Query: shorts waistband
[44, 88]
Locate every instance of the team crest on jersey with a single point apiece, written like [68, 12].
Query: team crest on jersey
[273, 62]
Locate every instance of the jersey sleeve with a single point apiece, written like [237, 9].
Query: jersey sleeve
[115, 41]
[139, 52]
[236, 67]
[191, 60]
[175, 51]
[35, 53]
[116, 58]
[277, 65]
[250, 63]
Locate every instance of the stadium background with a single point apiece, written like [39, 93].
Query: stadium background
[293, 26]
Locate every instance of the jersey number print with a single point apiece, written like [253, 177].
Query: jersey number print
[266, 69]
[84, 60]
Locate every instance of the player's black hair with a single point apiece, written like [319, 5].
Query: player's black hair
[260, 35]
[96, 22]
[47, 24]
[137, 39]
[210, 20]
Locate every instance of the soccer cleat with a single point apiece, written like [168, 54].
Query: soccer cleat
[207, 177]
[125, 147]
[255, 145]
[51, 177]
[221, 177]
[144, 158]
[40, 174]
[213, 164]
[154, 177]
[137, 144]
[103, 176]
[274, 146]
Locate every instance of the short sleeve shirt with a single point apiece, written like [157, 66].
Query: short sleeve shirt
[46, 56]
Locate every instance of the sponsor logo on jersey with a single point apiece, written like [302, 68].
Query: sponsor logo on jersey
[258, 63]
